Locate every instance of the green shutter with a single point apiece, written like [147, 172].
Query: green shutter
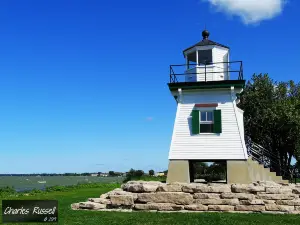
[217, 122]
[195, 122]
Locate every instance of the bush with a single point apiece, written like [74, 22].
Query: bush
[7, 191]
[151, 172]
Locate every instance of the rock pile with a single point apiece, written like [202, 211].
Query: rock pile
[263, 197]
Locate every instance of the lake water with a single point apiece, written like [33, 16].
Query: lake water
[23, 183]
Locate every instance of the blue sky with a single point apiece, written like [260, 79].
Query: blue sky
[84, 83]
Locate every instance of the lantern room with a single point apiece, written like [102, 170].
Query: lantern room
[206, 61]
[206, 58]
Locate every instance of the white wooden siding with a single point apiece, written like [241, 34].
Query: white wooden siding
[227, 145]
[198, 74]
[201, 73]
[241, 120]
[219, 55]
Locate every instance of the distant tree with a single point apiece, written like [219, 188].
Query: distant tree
[130, 173]
[133, 175]
[117, 174]
[139, 173]
[166, 172]
[111, 173]
[83, 174]
[200, 170]
[151, 172]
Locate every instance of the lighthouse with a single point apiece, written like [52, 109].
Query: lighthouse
[209, 126]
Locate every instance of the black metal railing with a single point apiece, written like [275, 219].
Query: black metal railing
[270, 160]
[227, 70]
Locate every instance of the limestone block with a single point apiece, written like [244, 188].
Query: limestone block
[115, 210]
[254, 208]
[75, 206]
[245, 188]
[217, 201]
[173, 187]
[121, 192]
[149, 187]
[104, 195]
[192, 188]
[252, 202]
[215, 188]
[252, 188]
[274, 212]
[276, 196]
[297, 208]
[295, 202]
[278, 190]
[285, 184]
[100, 200]
[180, 198]
[269, 201]
[268, 184]
[141, 186]
[196, 207]
[220, 208]
[116, 190]
[241, 196]
[118, 200]
[284, 208]
[296, 190]
[158, 206]
[292, 212]
[206, 196]
[239, 188]
[91, 205]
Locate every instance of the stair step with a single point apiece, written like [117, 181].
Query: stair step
[267, 173]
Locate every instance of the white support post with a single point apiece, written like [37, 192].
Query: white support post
[234, 98]
[187, 62]
[228, 67]
[197, 63]
[179, 95]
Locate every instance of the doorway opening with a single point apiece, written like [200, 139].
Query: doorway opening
[208, 171]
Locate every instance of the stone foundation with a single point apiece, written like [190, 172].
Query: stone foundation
[258, 197]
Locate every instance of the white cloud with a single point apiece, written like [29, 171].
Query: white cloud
[250, 11]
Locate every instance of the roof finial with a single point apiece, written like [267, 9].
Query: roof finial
[205, 34]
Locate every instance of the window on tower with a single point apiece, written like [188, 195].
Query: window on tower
[191, 60]
[206, 121]
[205, 57]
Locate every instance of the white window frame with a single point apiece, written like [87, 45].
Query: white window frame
[206, 109]
[205, 121]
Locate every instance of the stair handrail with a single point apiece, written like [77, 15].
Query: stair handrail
[268, 159]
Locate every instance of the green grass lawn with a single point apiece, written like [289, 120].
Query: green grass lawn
[68, 216]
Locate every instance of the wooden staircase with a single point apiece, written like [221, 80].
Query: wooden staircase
[260, 161]
[260, 173]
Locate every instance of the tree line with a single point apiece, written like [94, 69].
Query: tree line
[272, 119]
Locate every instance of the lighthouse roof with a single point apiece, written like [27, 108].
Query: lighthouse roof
[206, 42]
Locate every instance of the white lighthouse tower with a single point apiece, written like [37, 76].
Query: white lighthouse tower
[208, 125]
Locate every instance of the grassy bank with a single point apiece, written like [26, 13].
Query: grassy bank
[70, 195]
[146, 178]
[9, 191]
[22, 183]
